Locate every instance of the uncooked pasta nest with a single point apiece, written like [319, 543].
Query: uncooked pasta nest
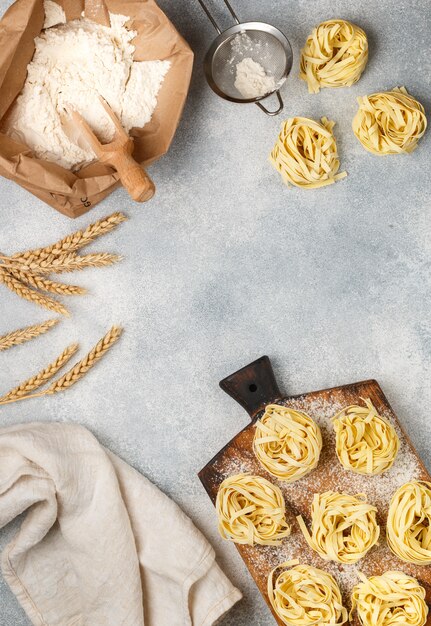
[304, 595]
[334, 55]
[366, 443]
[305, 153]
[391, 122]
[392, 599]
[287, 443]
[408, 528]
[251, 511]
[343, 527]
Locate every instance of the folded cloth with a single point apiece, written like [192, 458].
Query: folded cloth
[100, 545]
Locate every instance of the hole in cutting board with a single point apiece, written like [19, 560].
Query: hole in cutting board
[252, 387]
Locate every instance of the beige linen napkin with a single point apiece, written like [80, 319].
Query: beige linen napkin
[99, 545]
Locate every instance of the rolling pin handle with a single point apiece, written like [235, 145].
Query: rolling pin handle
[253, 386]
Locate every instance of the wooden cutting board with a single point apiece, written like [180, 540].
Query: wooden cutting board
[254, 386]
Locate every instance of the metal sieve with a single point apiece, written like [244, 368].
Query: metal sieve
[262, 42]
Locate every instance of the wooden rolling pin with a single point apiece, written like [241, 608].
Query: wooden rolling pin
[118, 154]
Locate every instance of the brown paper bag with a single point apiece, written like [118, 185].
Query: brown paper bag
[74, 193]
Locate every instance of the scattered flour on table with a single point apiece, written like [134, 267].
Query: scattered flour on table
[73, 64]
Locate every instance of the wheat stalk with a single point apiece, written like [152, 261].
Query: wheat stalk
[35, 382]
[65, 263]
[39, 282]
[22, 335]
[72, 242]
[25, 292]
[77, 371]
[89, 361]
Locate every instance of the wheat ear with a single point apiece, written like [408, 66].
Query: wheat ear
[75, 241]
[35, 382]
[78, 371]
[82, 367]
[22, 335]
[25, 292]
[65, 263]
[39, 282]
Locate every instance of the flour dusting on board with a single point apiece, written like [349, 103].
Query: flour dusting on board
[380, 488]
[329, 475]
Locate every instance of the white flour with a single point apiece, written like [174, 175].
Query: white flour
[332, 476]
[241, 43]
[251, 79]
[73, 63]
[54, 14]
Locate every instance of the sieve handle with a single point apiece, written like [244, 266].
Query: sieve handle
[211, 17]
[277, 111]
[231, 11]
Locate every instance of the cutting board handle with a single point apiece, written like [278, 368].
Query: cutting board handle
[253, 386]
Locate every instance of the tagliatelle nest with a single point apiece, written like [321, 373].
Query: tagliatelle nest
[251, 511]
[287, 443]
[408, 528]
[391, 122]
[334, 55]
[392, 599]
[305, 153]
[304, 595]
[365, 442]
[343, 527]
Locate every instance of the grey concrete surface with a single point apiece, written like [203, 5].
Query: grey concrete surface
[226, 264]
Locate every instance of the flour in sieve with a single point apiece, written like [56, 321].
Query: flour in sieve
[251, 79]
[73, 64]
[240, 44]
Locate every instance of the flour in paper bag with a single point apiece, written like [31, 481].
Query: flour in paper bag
[73, 64]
